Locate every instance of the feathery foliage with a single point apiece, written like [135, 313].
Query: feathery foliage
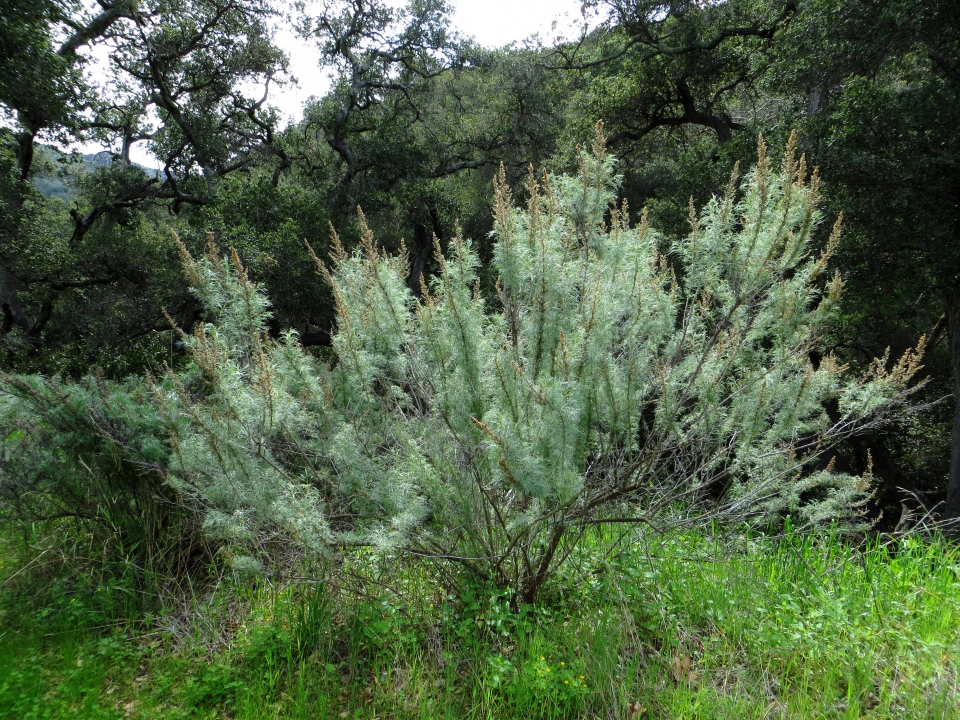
[619, 381]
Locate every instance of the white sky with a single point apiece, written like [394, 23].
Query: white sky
[493, 23]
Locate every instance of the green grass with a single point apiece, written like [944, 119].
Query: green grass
[686, 625]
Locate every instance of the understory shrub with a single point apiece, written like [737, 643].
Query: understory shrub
[616, 378]
[92, 455]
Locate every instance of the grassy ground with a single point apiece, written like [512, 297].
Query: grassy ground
[678, 626]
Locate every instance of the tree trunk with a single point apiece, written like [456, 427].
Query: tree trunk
[25, 152]
[418, 259]
[952, 300]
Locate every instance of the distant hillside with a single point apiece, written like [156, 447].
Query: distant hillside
[55, 171]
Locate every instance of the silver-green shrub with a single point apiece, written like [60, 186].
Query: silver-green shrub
[615, 379]
[91, 454]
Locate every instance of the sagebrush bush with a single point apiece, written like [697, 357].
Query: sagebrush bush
[92, 454]
[616, 378]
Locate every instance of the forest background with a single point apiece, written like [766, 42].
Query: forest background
[418, 123]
